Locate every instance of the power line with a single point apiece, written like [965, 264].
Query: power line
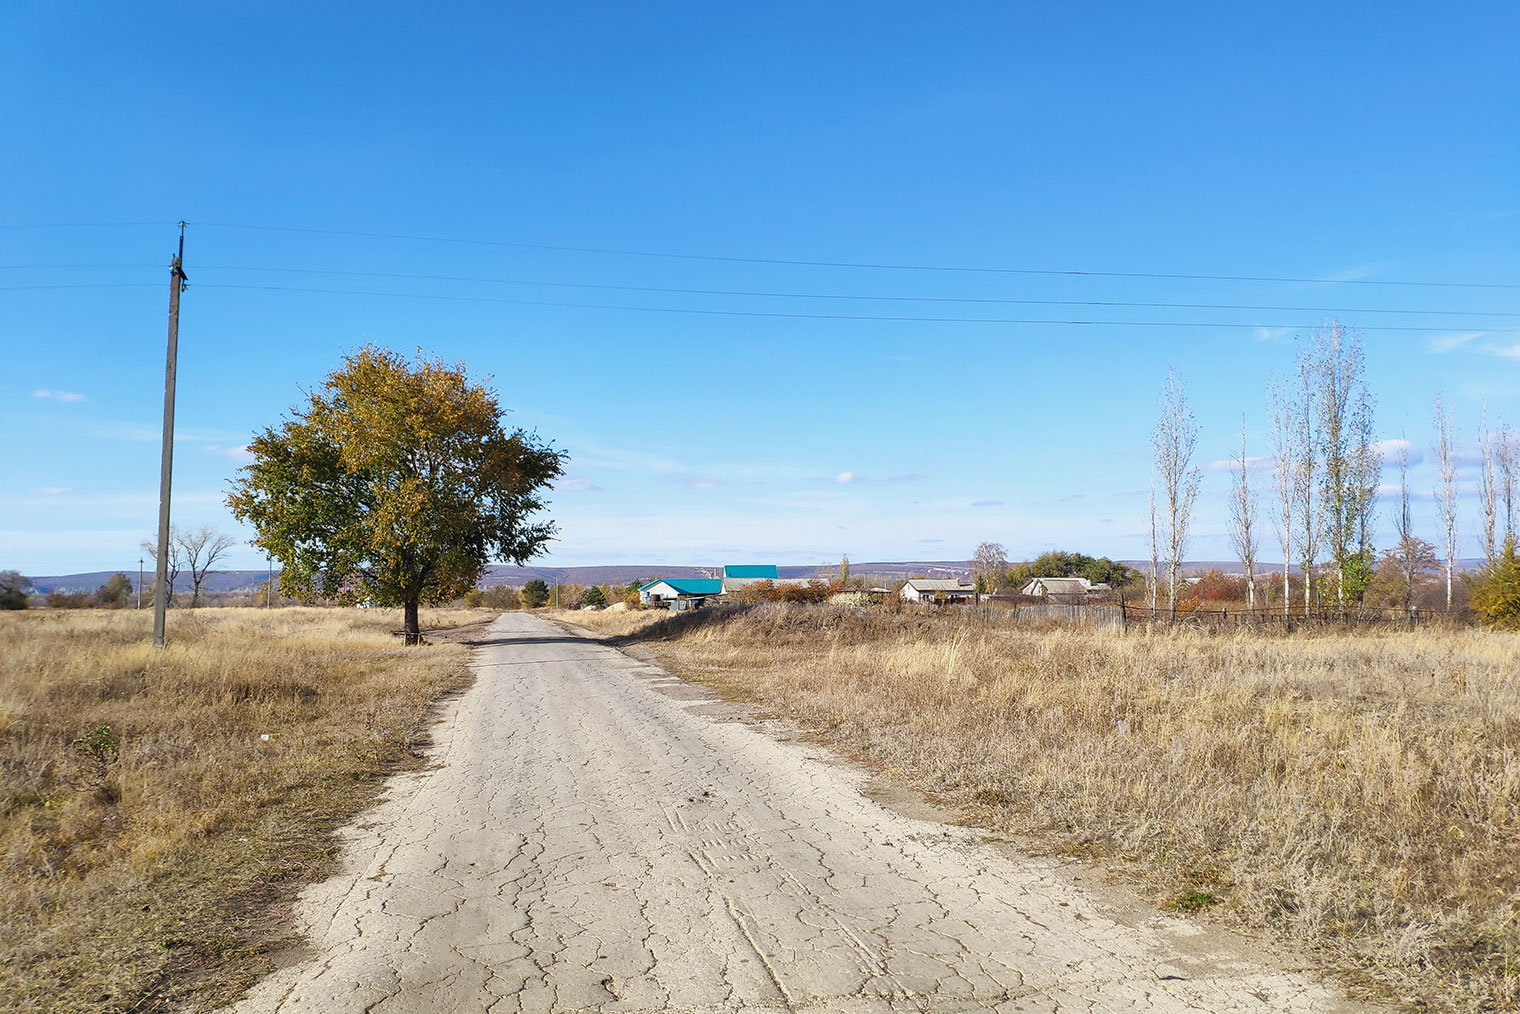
[815, 316]
[858, 297]
[852, 264]
[80, 285]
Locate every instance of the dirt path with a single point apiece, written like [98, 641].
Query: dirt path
[600, 836]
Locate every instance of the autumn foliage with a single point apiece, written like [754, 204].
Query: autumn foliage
[396, 484]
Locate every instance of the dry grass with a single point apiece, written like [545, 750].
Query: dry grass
[1359, 793]
[149, 832]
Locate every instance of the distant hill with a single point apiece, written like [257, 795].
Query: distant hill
[233, 581]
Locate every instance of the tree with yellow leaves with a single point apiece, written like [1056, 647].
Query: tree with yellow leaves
[395, 483]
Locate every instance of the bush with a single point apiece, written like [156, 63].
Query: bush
[13, 590]
[115, 593]
[499, 596]
[1496, 592]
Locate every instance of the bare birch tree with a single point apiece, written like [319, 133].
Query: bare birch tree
[1151, 585]
[1174, 441]
[1302, 408]
[1487, 489]
[989, 566]
[1507, 467]
[1406, 550]
[1243, 518]
[1446, 497]
[1285, 476]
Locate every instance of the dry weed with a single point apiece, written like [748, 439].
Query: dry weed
[1359, 792]
[157, 806]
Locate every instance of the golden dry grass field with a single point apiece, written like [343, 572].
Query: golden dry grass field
[1358, 793]
[150, 833]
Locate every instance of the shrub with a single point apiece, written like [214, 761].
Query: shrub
[13, 590]
[1496, 593]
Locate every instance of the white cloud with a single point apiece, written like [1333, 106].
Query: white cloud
[1450, 342]
[43, 392]
[240, 453]
[846, 477]
[702, 482]
[1389, 450]
[1253, 464]
[1507, 351]
[53, 490]
[579, 486]
[1271, 334]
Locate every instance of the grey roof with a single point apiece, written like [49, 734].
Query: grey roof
[936, 584]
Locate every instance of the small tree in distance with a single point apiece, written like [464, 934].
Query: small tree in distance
[13, 585]
[199, 550]
[395, 482]
[1496, 594]
[535, 593]
[1173, 441]
[594, 598]
[989, 566]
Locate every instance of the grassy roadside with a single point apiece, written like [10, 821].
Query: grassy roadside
[1357, 793]
[158, 809]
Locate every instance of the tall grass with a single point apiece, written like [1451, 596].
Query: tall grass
[1357, 792]
[157, 806]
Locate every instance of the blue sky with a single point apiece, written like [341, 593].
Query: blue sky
[441, 173]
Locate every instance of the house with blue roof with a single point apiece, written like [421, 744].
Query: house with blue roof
[693, 592]
[734, 578]
[679, 592]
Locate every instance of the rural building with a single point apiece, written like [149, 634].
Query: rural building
[676, 591]
[920, 589]
[734, 578]
[1072, 590]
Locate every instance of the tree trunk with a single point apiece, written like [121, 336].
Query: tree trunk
[413, 631]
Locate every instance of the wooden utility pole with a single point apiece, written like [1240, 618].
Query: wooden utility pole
[160, 591]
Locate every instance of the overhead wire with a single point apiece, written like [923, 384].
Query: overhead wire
[749, 293]
[813, 316]
[883, 266]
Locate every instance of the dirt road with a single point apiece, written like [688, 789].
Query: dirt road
[599, 836]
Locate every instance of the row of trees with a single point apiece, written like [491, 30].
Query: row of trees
[991, 571]
[194, 549]
[1326, 469]
[1325, 475]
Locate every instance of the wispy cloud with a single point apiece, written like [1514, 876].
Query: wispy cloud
[1389, 450]
[845, 478]
[908, 477]
[1511, 351]
[239, 453]
[1253, 464]
[702, 482]
[1271, 334]
[579, 486]
[53, 490]
[986, 503]
[43, 392]
[1452, 342]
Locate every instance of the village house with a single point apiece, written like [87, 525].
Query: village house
[734, 578]
[1070, 590]
[679, 593]
[937, 591]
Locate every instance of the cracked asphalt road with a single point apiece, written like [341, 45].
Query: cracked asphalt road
[601, 836]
